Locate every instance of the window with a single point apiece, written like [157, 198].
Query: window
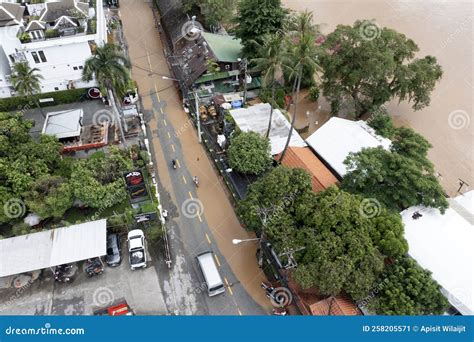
[81, 67]
[74, 68]
[42, 56]
[35, 57]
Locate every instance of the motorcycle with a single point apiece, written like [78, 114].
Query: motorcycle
[196, 181]
[94, 267]
[60, 277]
[173, 163]
[280, 312]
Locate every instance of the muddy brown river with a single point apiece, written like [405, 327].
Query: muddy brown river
[440, 28]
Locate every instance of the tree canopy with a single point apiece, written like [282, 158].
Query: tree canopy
[409, 289]
[399, 178]
[215, 12]
[370, 65]
[343, 248]
[255, 19]
[249, 153]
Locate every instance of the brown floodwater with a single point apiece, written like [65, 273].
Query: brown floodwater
[443, 29]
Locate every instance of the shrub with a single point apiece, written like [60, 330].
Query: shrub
[51, 33]
[249, 153]
[25, 38]
[60, 97]
[91, 26]
[314, 93]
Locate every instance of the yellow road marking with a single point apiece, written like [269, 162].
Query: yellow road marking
[164, 122]
[172, 147]
[228, 286]
[169, 135]
[240, 312]
[199, 217]
[217, 260]
[161, 110]
[184, 180]
[190, 195]
[208, 240]
[177, 161]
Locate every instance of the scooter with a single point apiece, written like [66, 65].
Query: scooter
[94, 267]
[173, 162]
[61, 278]
[196, 181]
[280, 312]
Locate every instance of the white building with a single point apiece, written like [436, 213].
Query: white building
[56, 37]
[338, 137]
[443, 244]
[255, 118]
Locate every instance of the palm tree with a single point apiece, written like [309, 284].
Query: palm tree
[27, 82]
[109, 67]
[303, 53]
[270, 62]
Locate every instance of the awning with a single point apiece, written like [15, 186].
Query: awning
[53, 247]
[64, 124]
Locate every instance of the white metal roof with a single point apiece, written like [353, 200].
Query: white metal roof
[64, 124]
[255, 118]
[53, 247]
[443, 244]
[338, 137]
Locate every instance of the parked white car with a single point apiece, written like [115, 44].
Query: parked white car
[137, 249]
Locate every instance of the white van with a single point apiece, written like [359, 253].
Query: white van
[211, 275]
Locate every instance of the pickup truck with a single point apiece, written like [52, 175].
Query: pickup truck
[136, 249]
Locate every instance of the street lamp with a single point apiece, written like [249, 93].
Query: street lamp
[237, 241]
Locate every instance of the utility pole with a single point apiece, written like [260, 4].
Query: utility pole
[198, 121]
[243, 66]
[461, 184]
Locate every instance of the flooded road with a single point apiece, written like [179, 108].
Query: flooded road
[440, 28]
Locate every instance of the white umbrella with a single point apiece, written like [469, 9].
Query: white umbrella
[32, 219]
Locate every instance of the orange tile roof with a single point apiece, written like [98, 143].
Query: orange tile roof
[341, 305]
[304, 158]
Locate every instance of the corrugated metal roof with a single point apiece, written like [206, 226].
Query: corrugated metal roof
[443, 245]
[53, 247]
[255, 118]
[338, 137]
[226, 48]
[304, 158]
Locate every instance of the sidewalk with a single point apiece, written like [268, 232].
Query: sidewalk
[147, 57]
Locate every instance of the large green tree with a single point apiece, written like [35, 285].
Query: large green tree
[215, 12]
[23, 160]
[396, 180]
[408, 289]
[27, 82]
[98, 181]
[370, 65]
[255, 19]
[49, 196]
[249, 153]
[344, 249]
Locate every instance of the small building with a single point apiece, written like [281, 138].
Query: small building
[443, 244]
[303, 158]
[36, 251]
[255, 118]
[338, 137]
[64, 125]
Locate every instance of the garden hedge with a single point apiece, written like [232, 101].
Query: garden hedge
[60, 97]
